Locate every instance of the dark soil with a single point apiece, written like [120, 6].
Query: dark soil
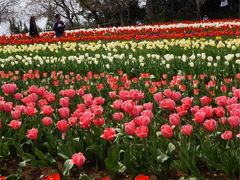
[9, 167]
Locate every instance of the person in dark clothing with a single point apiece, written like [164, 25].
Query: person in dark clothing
[33, 27]
[59, 26]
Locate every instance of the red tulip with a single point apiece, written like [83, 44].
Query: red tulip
[55, 176]
[141, 177]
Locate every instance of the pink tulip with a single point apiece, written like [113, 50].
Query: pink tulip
[124, 95]
[50, 97]
[70, 93]
[128, 106]
[9, 88]
[182, 110]
[47, 110]
[187, 102]
[85, 121]
[186, 130]
[176, 96]
[98, 100]
[142, 120]
[97, 110]
[47, 121]
[15, 124]
[64, 101]
[234, 121]
[167, 104]
[221, 100]
[147, 113]
[72, 121]
[16, 114]
[64, 112]
[99, 122]
[166, 131]
[130, 127]
[227, 135]
[42, 102]
[168, 93]
[208, 110]
[194, 109]
[109, 134]
[62, 126]
[112, 94]
[236, 93]
[18, 96]
[32, 134]
[219, 111]
[141, 131]
[30, 111]
[33, 97]
[136, 94]
[78, 159]
[7, 106]
[118, 116]
[148, 106]
[158, 97]
[80, 92]
[205, 100]
[81, 107]
[174, 119]
[210, 124]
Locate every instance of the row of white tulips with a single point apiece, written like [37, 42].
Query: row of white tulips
[185, 44]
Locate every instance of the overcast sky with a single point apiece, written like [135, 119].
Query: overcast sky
[21, 15]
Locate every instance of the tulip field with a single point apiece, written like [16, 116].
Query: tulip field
[143, 102]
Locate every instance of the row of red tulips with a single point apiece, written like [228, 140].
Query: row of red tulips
[126, 34]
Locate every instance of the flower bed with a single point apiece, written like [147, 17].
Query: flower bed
[123, 108]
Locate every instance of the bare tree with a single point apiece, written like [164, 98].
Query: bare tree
[199, 4]
[69, 9]
[6, 9]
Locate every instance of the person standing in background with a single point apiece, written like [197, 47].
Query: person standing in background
[33, 32]
[59, 26]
